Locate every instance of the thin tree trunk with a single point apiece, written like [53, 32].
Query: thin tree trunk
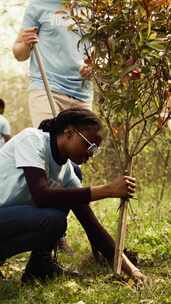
[122, 227]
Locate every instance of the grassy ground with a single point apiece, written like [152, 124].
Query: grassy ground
[149, 234]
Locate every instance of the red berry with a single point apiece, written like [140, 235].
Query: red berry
[135, 74]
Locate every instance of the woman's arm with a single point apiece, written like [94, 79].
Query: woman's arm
[45, 196]
[102, 241]
[24, 43]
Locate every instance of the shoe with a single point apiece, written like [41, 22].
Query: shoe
[43, 267]
[63, 246]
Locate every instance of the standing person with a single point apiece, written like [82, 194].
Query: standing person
[47, 22]
[5, 130]
[38, 188]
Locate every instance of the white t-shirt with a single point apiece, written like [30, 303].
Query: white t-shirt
[30, 148]
[4, 129]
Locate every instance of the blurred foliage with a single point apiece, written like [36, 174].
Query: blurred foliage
[151, 166]
[13, 89]
[11, 13]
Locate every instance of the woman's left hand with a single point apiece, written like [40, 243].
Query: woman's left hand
[86, 71]
[139, 277]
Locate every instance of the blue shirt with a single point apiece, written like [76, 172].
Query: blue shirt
[30, 148]
[59, 49]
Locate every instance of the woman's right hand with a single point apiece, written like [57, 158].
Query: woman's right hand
[122, 186]
[30, 36]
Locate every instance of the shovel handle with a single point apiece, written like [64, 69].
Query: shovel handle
[44, 78]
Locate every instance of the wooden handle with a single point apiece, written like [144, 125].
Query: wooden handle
[122, 227]
[121, 233]
[44, 78]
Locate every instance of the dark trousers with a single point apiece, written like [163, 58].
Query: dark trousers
[27, 228]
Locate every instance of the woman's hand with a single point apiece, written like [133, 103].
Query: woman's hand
[86, 69]
[24, 43]
[122, 186]
[139, 277]
[29, 36]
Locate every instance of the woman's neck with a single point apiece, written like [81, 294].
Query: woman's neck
[57, 149]
[63, 155]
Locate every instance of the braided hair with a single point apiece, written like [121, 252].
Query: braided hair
[78, 118]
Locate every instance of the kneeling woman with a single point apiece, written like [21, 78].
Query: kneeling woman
[38, 188]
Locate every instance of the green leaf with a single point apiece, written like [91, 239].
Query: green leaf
[149, 28]
[155, 46]
[152, 36]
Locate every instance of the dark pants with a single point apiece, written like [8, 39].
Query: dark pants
[27, 228]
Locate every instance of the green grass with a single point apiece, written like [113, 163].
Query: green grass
[149, 234]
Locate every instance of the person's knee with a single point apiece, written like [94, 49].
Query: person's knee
[56, 223]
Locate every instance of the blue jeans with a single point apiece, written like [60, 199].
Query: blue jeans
[27, 228]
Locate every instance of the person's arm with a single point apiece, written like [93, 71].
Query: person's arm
[24, 43]
[101, 240]
[30, 26]
[6, 137]
[5, 130]
[45, 196]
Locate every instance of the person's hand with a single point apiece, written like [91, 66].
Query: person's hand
[122, 186]
[86, 69]
[139, 277]
[29, 36]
